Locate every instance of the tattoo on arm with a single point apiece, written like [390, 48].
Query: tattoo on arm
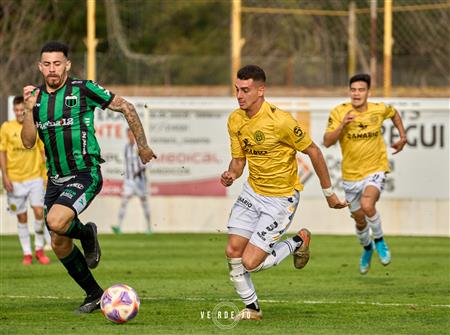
[120, 105]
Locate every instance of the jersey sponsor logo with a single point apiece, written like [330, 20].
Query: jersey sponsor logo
[259, 137]
[80, 203]
[272, 226]
[362, 136]
[68, 194]
[84, 142]
[261, 235]
[246, 143]
[244, 201]
[76, 185]
[330, 121]
[247, 148]
[107, 92]
[71, 101]
[255, 152]
[53, 124]
[362, 126]
[298, 132]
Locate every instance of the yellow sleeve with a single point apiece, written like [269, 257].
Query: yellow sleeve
[389, 112]
[39, 143]
[236, 149]
[3, 137]
[333, 120]
[292, 134]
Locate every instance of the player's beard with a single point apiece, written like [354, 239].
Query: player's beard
[55, 81]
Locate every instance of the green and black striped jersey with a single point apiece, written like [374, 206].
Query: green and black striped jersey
[65, 123]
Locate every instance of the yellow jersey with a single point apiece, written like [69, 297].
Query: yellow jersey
[269, 141]
[21, 164]
[362, 145]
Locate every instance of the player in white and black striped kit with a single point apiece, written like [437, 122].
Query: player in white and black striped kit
[135, 183]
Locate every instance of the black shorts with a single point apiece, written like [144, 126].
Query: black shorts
[75, 192]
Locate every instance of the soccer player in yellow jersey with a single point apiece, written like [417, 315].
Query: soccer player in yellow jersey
[268, 138]
[357, 127]
[21, 176]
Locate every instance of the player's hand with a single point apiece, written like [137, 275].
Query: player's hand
[398, 146]
[349, 117]
[227, 179]
[7, 184]
[30, 94]
[146, 154]
[335, 202]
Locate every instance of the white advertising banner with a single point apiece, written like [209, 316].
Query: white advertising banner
[190, 138]
[189, 135]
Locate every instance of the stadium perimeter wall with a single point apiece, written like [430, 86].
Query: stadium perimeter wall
[189, 135]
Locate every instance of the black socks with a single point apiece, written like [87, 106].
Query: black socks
[79, 271]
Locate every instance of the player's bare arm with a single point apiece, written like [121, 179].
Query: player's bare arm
[321, 169]
[28, 134]
[331, 137]
[7, 184]
[119, 104]
[397, 121]
[234, 171]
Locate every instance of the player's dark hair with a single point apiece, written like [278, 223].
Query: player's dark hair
[252, 72]
[360, 77]
[55, 46]
[18, 100]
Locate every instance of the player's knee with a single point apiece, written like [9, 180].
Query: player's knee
[22, 217]
[368, 207]
[251, 265]
[38, 213]
[56, 223]
[360, 221]
[232, 251]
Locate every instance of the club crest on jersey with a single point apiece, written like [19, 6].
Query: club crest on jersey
[374, 119]
[71, 101]
[259, 136]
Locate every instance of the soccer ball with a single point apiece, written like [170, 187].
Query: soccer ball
[119, 303]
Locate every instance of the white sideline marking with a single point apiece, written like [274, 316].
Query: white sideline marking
[274, 301]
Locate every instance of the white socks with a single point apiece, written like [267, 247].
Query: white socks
[375, 225]
[364, 236]
[39, 234]
[280, 251]
[47, 237]
[242, 282]
[24, 238]
[123, 207]
[146, 210]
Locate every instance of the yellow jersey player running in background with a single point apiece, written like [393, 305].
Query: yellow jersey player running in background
[357, 127]
[22, 180]
[269, 139]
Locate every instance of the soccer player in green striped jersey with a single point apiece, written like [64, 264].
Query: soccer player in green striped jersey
[61, 111]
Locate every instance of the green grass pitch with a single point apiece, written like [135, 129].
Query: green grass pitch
[180, 277]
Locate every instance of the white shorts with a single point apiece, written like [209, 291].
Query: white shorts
[354, 189]
[262, 219]
[136, 187]
[30, 189]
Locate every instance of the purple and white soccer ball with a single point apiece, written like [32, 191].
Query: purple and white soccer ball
[120, 303]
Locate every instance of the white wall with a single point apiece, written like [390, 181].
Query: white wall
[210, 214]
